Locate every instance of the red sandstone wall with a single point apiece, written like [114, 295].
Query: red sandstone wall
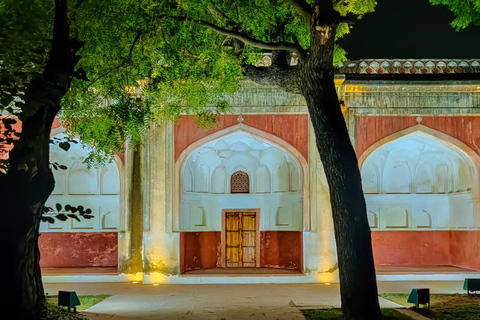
[411, 248]
[460, 248]
[200, 250]
[465, 249]
[65, 249]
[281, 249]
[291, 128]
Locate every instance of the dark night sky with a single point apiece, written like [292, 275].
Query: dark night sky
[410, 29]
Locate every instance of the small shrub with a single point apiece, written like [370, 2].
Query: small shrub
[58, 313]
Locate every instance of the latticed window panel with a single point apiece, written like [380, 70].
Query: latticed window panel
[240, 182]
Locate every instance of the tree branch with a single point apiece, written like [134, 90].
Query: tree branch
[78, 4]
[284, 46]
[303, 7]
[286, 79]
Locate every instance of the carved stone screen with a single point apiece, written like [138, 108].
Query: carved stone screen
[240, 183]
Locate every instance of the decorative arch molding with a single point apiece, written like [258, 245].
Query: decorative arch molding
[448, 141]
[262, 135]
[472, 200]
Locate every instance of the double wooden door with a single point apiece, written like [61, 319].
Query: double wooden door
[241, 237]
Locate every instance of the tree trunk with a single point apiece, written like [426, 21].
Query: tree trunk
[26, 186]
[352, 232]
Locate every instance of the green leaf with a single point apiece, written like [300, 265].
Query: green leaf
[47, 219]
[61, 217]
[74, 216]
[58, 206]
[64, 145]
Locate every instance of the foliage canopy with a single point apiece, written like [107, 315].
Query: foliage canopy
[467, 12]
[147, 61]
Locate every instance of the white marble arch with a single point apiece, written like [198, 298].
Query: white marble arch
[100, 189]
[223, 149]
[422, 179]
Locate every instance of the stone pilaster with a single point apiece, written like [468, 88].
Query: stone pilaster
[130, 240]
[319, 242]
[160, 244]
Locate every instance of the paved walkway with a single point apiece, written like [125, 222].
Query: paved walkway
[222, 302]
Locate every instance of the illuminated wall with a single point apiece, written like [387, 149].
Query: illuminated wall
[274, 181]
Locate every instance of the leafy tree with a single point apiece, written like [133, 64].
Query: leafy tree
[467, 12]
[152, 60]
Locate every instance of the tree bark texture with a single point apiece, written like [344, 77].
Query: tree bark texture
[29, 181]
[358, 286]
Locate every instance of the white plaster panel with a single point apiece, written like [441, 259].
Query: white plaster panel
[395, 216]
[110, 217]
[419, 182]
[272, 172]
[373, 212]
[268, 204]
[110, 179]
[97, 189]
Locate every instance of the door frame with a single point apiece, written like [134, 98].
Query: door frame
[257, 234]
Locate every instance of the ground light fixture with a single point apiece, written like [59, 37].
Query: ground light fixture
[68, 299]
[471, 285]
[419, 296]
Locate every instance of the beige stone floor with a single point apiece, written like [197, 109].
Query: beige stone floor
[228, 302]
[396, 270]
[381, 270]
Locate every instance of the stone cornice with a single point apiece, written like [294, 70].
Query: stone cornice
[410, 66]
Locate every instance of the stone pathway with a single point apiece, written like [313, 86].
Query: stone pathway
[222, 302]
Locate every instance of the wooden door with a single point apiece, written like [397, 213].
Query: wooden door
[241, 239]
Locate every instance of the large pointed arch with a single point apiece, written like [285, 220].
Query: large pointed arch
[259, 134]
[435, 139]
[445, 139]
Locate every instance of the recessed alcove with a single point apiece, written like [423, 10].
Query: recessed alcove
[420, 188]
[419, 181]
[241, 186]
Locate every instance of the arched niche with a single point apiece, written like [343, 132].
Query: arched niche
[110, 179]
[432, 174]
[82, 180]
[262, 179]
[98, 189]
[269, 168]
[371, 179]
[219, 181]
[59, 174]
[274, 169]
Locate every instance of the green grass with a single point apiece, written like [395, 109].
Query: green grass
[86, 301]
[444, 306]
[336, 314]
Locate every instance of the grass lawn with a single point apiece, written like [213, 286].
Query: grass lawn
[444, 306]
[86, 301]
[336, 314]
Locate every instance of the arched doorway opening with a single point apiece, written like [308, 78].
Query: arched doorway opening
[241, 205]
[421, 190]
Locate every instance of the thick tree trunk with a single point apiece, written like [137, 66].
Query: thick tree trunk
[29, 181]
[352, 232]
